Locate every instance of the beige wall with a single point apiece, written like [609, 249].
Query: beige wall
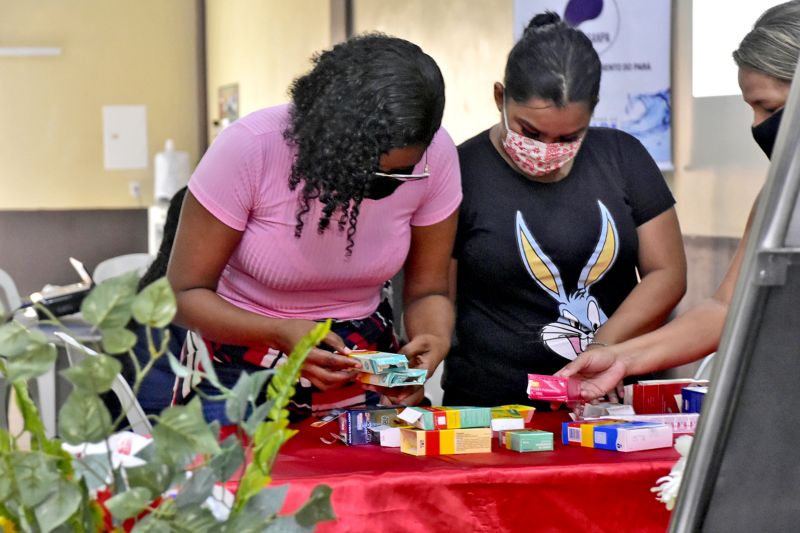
[262, 45]
[469, 39]
[114, 52]
[51, 134]
[719, 169]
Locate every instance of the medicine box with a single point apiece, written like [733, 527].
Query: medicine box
[446, 441]
[657, 396]
[632, 436]
[693, 399]
[380, 362]
[507, 417]
[581, 432]
[431, 418]
[531, 440]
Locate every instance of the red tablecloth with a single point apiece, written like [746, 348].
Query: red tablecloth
[569, 489]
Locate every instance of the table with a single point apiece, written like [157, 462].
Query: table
[569, 489]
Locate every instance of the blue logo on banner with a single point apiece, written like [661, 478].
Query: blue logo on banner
[578, 11]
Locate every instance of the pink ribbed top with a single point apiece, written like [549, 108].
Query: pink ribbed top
[243, 181]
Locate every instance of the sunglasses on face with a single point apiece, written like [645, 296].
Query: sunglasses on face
[382, 184]
[405, 174]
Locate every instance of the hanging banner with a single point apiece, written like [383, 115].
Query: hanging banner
[632, 38]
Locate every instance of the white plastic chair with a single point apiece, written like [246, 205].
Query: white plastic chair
[121, 264]
[127, 400]
[43, 391]
[9, 295]
[9, 300]
[705, 368]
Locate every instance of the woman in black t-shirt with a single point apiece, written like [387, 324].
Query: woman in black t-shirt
[567, 235]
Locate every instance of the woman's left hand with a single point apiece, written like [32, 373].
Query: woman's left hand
[426, 351]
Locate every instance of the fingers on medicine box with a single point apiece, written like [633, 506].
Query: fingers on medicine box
[380, 362]
[395, 378]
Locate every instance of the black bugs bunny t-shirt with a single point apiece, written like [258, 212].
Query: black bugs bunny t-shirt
[541, 266]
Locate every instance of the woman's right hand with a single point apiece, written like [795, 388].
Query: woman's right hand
[323, 368]
[600, 370]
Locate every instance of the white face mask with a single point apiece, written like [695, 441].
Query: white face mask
[536, 158]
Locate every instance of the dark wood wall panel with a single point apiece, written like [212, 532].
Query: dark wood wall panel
[35, 245]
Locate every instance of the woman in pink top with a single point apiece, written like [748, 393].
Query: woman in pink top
[301, 212]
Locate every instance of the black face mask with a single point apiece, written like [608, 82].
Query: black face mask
[766, 131]
[379, 187]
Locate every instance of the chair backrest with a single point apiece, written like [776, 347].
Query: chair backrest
[9, 295]
[705, 368]
[137, 418]
[121, 264]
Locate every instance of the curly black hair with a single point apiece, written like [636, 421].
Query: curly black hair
[363, 98]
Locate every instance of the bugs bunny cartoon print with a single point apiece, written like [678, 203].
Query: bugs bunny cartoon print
[580, 315]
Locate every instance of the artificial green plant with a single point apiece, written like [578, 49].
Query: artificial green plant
[44, 488]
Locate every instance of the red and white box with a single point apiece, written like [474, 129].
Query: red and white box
[658, 396]
[681, 423]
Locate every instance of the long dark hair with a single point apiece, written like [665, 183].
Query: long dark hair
[554, 62]
[363, 98]
[158, 268]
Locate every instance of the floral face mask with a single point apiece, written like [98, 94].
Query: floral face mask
[536, 158]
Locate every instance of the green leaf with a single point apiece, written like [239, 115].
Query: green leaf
[129, 503]
[250, 484]
[84, 418]
[317, 509]
[228, 461]
[95, 374]
[236, 405]
[56, 509]
[155, 306]
[5, 443]
[36, 476]
[207, 365]
[93, 469]
[108, 306]
[197, 488]
[14, 338]
[162, 520]
[118, 340]
[288, 524]
[154, 476]
[36, 336]
[154, 524]
[5, 480]
[177, 368]
[269, 437]
[182, 432]
[268, 502]
[258, 415]
[197, 520]
[30, 415]
[35, 361]
[258, 379]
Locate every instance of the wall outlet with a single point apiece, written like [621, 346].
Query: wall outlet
[135, 189]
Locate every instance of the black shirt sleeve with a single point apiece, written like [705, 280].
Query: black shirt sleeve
[644, 183]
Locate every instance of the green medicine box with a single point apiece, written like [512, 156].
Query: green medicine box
[533, 440]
